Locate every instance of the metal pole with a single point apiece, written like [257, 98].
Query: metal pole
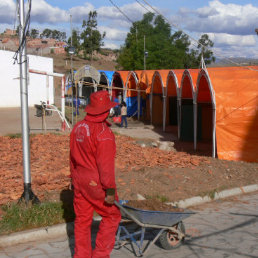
[27, 194]
[71, 63]
[47, 78]
[213, 132]
[195, 107]
[164, 100]
[144, 58]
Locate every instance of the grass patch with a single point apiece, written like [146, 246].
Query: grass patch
[161, 198]
[18, 217]
[14, 135]
[212, 193]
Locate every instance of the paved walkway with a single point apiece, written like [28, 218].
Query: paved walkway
[220, 229]
[11, 121]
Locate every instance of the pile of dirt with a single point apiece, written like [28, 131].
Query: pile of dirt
[150, 172]
[153, 205]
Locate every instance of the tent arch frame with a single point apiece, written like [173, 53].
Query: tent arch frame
[204, 73]
[156, 73]
[172, 75]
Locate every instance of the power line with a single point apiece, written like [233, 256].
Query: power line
[142, 5]
[121, 11]
[25, 30]
[205, 47]
[126, 17]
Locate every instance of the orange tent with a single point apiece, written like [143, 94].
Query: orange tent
[157, 97]
[233, 93]
[118, 81]
[172, 93]
[144, 83]
[187, 105]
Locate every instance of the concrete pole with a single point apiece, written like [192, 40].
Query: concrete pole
[47, 78]
[213, 132]
[195, 107]
[71, 63]
[144, 56]
[27, 194]
[164, 100]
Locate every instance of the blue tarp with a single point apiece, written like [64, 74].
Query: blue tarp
[109, 75]
[131, 103]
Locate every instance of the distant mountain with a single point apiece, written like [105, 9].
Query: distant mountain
[234, 61]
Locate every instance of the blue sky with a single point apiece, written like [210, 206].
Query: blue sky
[229, 23]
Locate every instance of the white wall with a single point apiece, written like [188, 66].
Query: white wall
[10, 81]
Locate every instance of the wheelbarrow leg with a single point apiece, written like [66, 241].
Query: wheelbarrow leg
[152, 242]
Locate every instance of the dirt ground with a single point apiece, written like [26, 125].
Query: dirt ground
[140, 170]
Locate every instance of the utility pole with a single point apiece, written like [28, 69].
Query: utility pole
[145, 54]
[71, 62]
[144, 57]
[27, 195]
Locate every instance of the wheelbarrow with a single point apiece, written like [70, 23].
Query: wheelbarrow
[167, 227]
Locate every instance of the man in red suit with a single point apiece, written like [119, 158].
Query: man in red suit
[92, 162]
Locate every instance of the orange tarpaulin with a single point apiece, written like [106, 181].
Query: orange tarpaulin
[188, 82]
[174, 82]
[236, 95]
[145, 80]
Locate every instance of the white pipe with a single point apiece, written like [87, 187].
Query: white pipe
[46, 73]
[139, 104]
[63, 97]
[151, 99]
[178, 118]
[164, 112]
[195, 124]
[213, 132]
[47, 81]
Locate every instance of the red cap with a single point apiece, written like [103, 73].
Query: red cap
[99, 103]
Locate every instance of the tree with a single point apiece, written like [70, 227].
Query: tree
[75, 41]
[91, 38]
[34, 33]
[165, 50]
[204, 45]
[54, 34]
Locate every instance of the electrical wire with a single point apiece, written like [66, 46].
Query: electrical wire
[121, 11]
[142, 5]
[205, 47]
[25, 29]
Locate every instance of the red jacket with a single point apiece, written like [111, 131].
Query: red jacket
[93, 149]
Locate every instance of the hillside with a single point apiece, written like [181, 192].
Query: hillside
[63, 62]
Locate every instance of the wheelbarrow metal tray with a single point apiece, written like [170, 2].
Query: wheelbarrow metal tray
[161, 218]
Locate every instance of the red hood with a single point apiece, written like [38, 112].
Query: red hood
[98, 118]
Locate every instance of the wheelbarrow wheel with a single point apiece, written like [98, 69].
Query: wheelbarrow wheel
[170, 240]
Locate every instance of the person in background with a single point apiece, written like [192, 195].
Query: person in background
[123, 114]
[92, 165]
[76, 104]
[120, 98]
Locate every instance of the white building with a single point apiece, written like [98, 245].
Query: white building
[37, 84]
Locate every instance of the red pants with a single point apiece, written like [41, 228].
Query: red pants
[86, 200]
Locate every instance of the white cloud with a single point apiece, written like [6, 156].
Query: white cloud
[223, 39]
[7, 11]
[221, 18]
[80, 13]
[130, 12]
[43, 12]
[113, 34]
[111, 45]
